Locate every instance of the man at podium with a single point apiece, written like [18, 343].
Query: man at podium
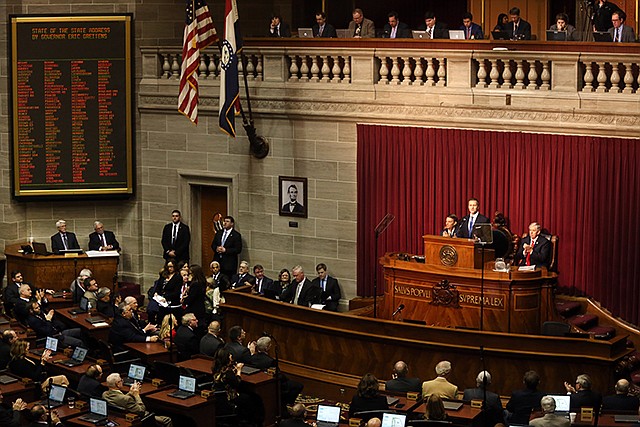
[63, 239]
[465, 229]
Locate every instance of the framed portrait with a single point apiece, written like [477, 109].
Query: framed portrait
[293, 196]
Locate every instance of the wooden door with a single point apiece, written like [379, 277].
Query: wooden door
[212, 200]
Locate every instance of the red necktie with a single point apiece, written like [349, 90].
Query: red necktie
[529, 254]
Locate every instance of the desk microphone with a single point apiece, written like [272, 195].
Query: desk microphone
[398, 310]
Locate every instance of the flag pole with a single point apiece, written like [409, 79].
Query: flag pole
[258, 145]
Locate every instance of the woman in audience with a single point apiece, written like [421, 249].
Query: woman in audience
[227, 377]
[168, 329]
[367, 398]
[193, 301]
[284, 280]
[169, 289]
[435, 409]
[503, 20]
[24, 367]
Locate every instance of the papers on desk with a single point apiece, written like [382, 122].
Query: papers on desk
[317, 306]
[100, 324]
[527, 268]
[162, 302]
[98, 254]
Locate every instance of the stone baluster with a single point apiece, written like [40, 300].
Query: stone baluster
[346, 70]
[211, 68]
[418, 72]
[546, 76]
[315, 70]
[293, 69]
[533, 75]
[494, 74]
[219, 67]
[507, 75]
[250, 68]
[175, 67]
[395, 71]
[326, 70]
[442, 73]
[638, 80]
[202, 68]
[602, 77]
[304, 68]
[384, 71]
[166, 66]
[615, 78]
[588, 77]
[431, 72]
[336, 70]
[406, 71]
[259, 68]
[519, 75]
[482, 74]
[241, 65]
[628, 77]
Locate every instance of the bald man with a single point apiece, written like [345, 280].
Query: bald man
[400, 381]
[622, 400]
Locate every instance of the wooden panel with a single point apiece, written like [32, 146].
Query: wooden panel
[212, 200]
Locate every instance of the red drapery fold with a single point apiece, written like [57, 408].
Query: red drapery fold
[584, 189]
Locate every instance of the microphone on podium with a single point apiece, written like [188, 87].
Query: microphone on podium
[398, 310]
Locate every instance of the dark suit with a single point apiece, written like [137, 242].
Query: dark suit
[463, 228]
[57, 245]
[367, 30]
[521, 403]
[310, 293]
[237, 280]
[627, 36]
[586, 398]
[11, 297]
[90, 387]
[233, 246]
[331, 290]
[329, 31]
[5, 354]
[404, 385]
[9, 417]
[209, 344]
[541, 255]
[620, 402]
[240, 353]
[261, 361]
[523, 32]
[297, 208]
[602, 15]
[195, 300]
[474, 31]
[283, 30]
[289, 389]
[123, 331]
[187, 342]
[181, 243]
[440, 30]
[95, 241]
[402, 32]
[265, 284]
[494, 405]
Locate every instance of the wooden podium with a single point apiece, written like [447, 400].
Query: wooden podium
[454, 252]
[58, 271]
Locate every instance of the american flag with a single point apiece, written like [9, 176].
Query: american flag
[198, 34]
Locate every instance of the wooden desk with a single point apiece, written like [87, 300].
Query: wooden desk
[608, 420]
[73, 373]
[149, 352]
[64, 412]
[18, 390]
[120, 419]
[80, 321]
[466, 415]
[59, 303]
[58, 271]
[200, 410]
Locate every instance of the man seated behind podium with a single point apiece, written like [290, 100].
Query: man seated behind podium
[400, 382]
[63, 239]
[465, 229]
[102, 240]
[549, 419]
[534, 249]
[440, 386]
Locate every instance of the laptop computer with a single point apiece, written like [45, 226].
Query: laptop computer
[51, 344]
[602, 36]
[500, 35]
[249, 370]
[56, 396]
[393, 420]
[186, 388]
[84, 307]
[7, 379]
[136, 373]
[305, 33]
[40, 249]
[452, 406]
[419, 34]
[556, 36]
[344, 33]
[97, 411]
[328, 416]
[456, 34]
[95, 319]
[77, 358]
[563, 404]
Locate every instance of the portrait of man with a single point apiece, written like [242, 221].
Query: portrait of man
[293, 196]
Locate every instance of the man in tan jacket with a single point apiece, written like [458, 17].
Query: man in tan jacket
[440, 386]
[130, 402]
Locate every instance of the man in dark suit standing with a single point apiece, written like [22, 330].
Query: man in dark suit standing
[63, 239]
[400, 382]
[227, 245]
[523, 401]
[465, 229]
[322, 28]
[263, 283]
[236, 347]
[395, 29]
[434, 29]
[302, 291]
[186, 339]
[102, 240]
[472, 31]
[330, 288]
[518, 28]
[176, 239]
[534, 249]
[211, 341]
[493, 410]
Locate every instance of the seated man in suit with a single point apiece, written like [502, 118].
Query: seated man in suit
[548, 404]
[186, 339]
[263, 283]
[534, 249]
[620, 32]
[395, 29]
[211, 341]
[465, 229]
[123, 330]
[322, 28]
[361, 27]
[494, 410]
[243, 277]
[236, 347]
[302, 291]
[7, 338]
[12, 292]
[90, 383]
[518, 28]
[582, 396]
[40, 416]
[11, 417]
[330, 288]
[102, 240]
[522, 402]
[472, 31]
[278, 28]
[622, 400]
[434, 29]
[130, 402]
[91, 293]
[77, 286]
[400, 382]
[63, 239]
[21, 309]
[44, 326]
[440, 386]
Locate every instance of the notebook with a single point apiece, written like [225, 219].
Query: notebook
[7, 379]
[51, 344]
[84, 307]
[186, 388]
[40, 249]
[95, 319]
[56, 396]
[136, 373]
[305, 33]
[328, 416]
[452, 406]
[393, 420]
[249, 370]
[97, 411]
[563, 404]
[77, 358]
[456, 34]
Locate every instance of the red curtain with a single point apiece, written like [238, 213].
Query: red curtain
[584, 189]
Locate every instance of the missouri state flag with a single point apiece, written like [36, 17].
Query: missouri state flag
[229, 85]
